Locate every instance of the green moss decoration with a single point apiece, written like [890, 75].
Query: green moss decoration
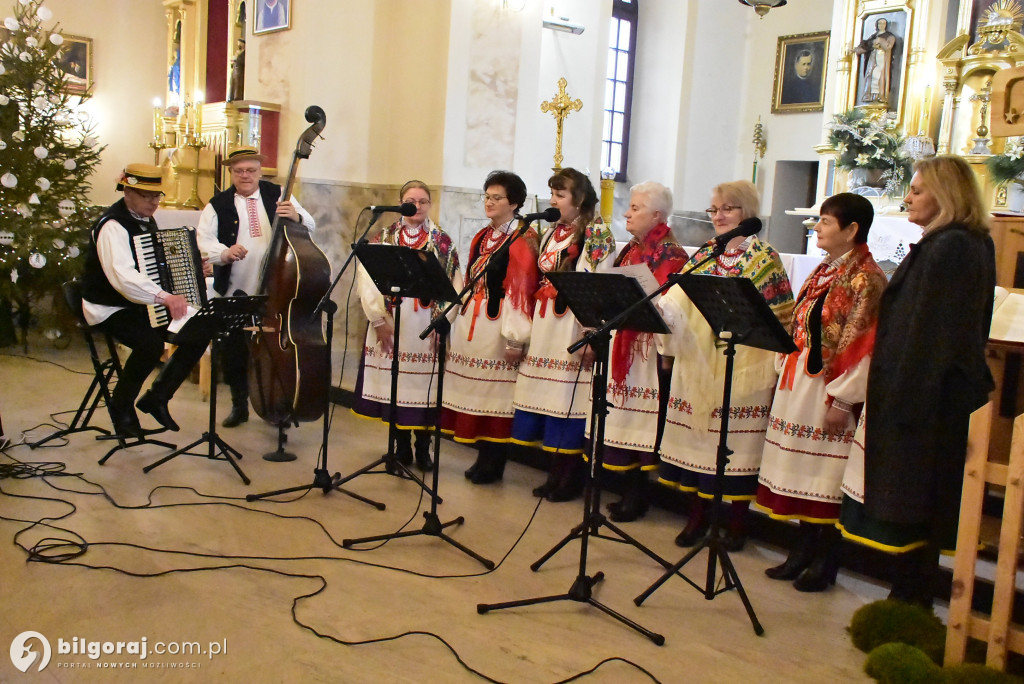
[972, 673]
[902, 664]
[884, 622]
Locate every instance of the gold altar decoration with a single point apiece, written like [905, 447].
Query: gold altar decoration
[760, 147]
[559, 107]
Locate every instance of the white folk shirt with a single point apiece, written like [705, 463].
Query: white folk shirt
[245, 274]
[118, 263]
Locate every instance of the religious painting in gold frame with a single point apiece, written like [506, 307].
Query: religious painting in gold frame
[800, 62]
[75, 60]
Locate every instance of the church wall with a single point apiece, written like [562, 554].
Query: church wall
[128, 73]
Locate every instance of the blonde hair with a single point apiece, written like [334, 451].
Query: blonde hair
[955, 188]
[741, 193]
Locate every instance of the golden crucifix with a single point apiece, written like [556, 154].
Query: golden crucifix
[559, 107]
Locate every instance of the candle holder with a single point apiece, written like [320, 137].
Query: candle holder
[158, 146]
[193, 201]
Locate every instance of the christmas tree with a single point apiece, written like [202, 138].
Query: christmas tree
[48, 150]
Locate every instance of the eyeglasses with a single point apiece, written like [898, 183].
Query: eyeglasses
[725, 209]
[245, 172]
[420, 202]
[147, 195]
[492, 198]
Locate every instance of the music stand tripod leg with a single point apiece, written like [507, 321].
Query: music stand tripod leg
[581, 590]
[432, 525]
[322, 478]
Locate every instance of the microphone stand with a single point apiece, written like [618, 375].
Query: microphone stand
[432, 525]
[322, 478]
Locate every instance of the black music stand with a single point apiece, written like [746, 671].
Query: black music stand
[597, 300]
[216, 320]
[738, 314]
[399, 272]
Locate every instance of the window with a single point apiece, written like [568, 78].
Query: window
[618, 91]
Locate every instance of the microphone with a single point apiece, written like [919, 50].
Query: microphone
[407, 209]
[550, 215]
[747, 227]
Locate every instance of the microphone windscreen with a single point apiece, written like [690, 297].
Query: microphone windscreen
[407, 209]
[551, 214]
[750, 226]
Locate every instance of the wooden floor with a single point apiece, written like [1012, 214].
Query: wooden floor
[177, 555]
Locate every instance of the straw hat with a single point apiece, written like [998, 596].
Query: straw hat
[244, 153]
[141, 177]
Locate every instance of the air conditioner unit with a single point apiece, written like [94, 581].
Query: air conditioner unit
[563, 24]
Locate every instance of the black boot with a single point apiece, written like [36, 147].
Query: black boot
[125, 421]
[239, 406]
[697, 526]
[735, 535]
[800, 556]
[554, 475]
[423, 461]
[478, 463]
[571, 480]
[634, 503]
[915, 577]
[156, 406]
[492, 466]
[403, 447]
[821, 573]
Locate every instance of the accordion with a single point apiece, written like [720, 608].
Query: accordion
[171, 258]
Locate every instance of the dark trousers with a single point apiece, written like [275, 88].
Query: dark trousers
[234, 361]
[130, 327]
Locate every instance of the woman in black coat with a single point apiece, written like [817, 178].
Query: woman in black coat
[928, 373]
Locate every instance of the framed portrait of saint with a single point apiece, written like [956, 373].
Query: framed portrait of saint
[271, 15]
[75, 60]
[800, 62]
[881, 59]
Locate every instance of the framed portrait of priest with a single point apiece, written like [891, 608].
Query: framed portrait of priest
[75, 60]
[800, 62]
[271, 15]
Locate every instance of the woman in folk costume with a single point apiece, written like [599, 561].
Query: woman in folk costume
[928, 374]
[632, 427]
[491, 331]
[417, 367]
[552, 397]
[690, 446]
[821, 391]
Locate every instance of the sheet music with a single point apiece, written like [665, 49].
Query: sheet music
[175, 326]
[641, 273]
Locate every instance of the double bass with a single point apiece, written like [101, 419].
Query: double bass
[290, 369]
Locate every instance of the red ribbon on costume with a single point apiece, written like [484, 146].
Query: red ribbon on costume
[789, 371]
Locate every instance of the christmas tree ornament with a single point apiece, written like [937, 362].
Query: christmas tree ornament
[18, 135]
[24, 210]
[9, 180]
[14, 276]
[44, 13]
[31, 41]
[41, 152]
[25, 57]
[70, 164]
[36, 260]
[56, 38]
[11, 23]
[65, 208]
[43, 183]
[3, 145]
[40, 102]
[33, 199]
[73, 251]
[90, 141]
[6, 238]
[58, 244]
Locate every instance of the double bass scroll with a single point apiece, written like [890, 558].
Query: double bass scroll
[290, 369]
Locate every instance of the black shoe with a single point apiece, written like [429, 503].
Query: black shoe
[819, 576]
[157, 408]
[239, 414]
[734, 541]
[490, 470]
[549, 486]
[795, 564]
[694, 531]
[126, 423]
[629, 510]
[567, 491]
[477, 464]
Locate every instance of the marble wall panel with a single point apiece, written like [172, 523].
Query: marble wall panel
[493, 87]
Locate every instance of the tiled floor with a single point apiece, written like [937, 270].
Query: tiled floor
[177, 555]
